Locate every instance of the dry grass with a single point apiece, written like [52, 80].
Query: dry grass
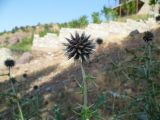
[134, 17]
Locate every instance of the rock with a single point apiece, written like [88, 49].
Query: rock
[97, 31]
[48, 42]
[52, 42]
[13, 41]
[5, 53]
[133, 33]
[25, 58]
[94, 30]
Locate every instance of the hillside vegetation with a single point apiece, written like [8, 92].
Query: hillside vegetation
[116, 78]
[123, 83]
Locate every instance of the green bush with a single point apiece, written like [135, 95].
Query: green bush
[43, 33]
[96, 17]
[83, 22]
[153, 2]
[23, 46]
[73, 24]
[109, 13]
[76, 23]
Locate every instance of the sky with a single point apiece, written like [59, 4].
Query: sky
[31, 12]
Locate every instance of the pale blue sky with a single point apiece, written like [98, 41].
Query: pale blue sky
[30, 12]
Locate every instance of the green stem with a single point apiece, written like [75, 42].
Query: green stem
[85, 99]
[20, 110]
[13, 89]
[15, 93]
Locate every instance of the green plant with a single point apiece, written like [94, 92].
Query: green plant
[146, 104]
[83, 22]
[80, 47]
[96, 17]
[109, 13]
[132, 7]
[9, 64]
[43, 33]
[73, 24]
[153, 2]
[76, 23]
[16, 103]
[57, 112]
[23, 46]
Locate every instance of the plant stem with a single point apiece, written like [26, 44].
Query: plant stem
[13, 89]
[85, 102]
[15, 93]
[20, 110]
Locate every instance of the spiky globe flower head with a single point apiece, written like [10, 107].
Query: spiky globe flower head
[148, 36]
[25, 75]
[79, 47]
[99, 41]
[35, 87]
[9, 63]
[158, 18]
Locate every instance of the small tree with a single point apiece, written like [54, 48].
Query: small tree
[132, 7]
[107, 12]
[83, 21]
[96, 17]
[152, 3]
[125, 6]
[73, 24]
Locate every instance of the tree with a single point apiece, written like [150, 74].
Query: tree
[96, 17]
[83, 21]
[132, 7]
[106, 11]
[125, 6]
[15, 29]
[153, 2]
[63, 25]
[109, 13]
[73, 24]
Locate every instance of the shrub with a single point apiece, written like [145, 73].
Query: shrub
[96, 17]
[83, 22]
[43, 33]
[23, 46]
[76, 23]
[109, 14]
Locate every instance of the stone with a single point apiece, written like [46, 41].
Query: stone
[133, 33]
[25, 58]
[48, 42]
[13, 41]
[52, 42]
[94, 30]
[5, 53]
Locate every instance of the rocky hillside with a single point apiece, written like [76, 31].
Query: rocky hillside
[46, 71]
[16, 35]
